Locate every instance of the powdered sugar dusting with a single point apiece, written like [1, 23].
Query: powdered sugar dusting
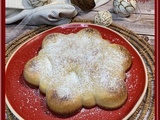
[67, 88]
[77, 63]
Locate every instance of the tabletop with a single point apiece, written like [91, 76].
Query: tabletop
[144, 26]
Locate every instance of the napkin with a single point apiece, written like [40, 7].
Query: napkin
[54, 13]
[39, 12]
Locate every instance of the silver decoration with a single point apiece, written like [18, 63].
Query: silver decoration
[124, 8]
[37, 3]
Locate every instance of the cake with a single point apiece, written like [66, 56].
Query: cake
[79, 70]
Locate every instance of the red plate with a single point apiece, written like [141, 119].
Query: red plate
[27, 103]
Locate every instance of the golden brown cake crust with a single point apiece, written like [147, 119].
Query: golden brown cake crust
[79, 70]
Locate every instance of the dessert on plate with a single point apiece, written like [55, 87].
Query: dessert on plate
[79, 70]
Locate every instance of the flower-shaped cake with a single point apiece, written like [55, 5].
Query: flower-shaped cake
[79, 70]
